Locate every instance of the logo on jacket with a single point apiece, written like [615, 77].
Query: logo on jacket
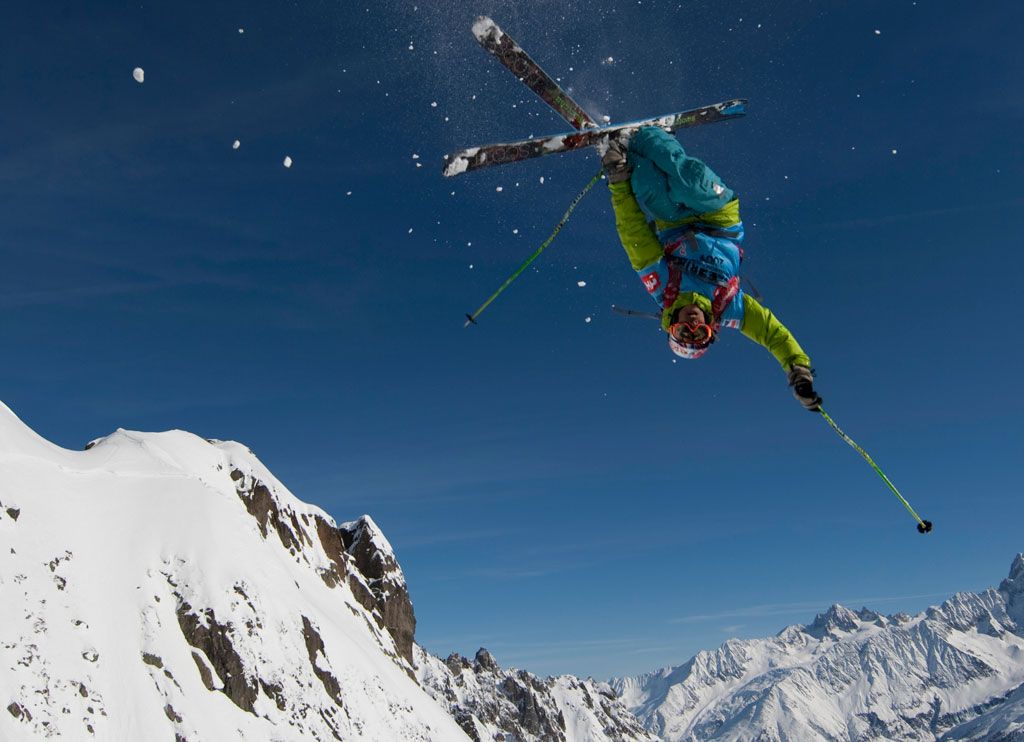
[652, 282]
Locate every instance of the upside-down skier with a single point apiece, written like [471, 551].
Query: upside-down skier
[689, 257]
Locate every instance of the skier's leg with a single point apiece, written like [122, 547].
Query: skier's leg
[669, 183]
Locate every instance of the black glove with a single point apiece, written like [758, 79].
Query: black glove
[615, 162]
[801, 379]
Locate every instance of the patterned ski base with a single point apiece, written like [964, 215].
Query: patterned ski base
[490, 155]
[519, 63]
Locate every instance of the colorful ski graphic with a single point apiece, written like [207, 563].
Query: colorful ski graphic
[490, 155]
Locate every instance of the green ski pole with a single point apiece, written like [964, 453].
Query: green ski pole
[923, 526]
[471, 318]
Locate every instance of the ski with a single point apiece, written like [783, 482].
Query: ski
[489, 155]
[519, 63]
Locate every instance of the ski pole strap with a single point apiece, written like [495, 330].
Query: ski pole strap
[471, 318]
[923, 526]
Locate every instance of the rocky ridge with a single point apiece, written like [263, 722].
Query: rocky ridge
[490, 703]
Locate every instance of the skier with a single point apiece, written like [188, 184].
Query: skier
[689, 258]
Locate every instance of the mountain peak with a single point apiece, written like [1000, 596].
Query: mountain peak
[837, 619]
[239, 592]
[1012, 589]
[1014, 583]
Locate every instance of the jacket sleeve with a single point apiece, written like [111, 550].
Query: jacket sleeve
[764, 328]
[638, 239]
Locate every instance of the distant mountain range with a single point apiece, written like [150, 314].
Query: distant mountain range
[159, 586]
[951, 672]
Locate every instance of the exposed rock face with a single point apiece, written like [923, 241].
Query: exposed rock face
[955, 671]
[214, 640]
[376, 563]
[315, 648]
[357, 550]
[490, 703]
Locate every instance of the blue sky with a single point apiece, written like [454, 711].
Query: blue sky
[558, 491]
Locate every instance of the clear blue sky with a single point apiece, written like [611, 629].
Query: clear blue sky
[558, 491]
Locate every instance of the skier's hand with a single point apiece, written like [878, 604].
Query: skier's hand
[801, 379]
[616, 165]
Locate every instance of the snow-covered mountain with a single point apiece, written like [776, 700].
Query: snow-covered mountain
[955, 671]
[490, 703]
[159, 586]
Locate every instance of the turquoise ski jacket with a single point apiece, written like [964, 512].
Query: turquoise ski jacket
[692, 250]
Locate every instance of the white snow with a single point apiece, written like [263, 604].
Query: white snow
[581, 284]
[843, 670]
[112, 545]
[236, 144]
[139, 74]
[484, 26]
[460, 162]
[287, 161]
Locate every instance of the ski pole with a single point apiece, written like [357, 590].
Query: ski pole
[923, 526]
[471, 318]
[635, 313]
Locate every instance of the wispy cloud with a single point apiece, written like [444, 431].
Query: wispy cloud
[804, 606]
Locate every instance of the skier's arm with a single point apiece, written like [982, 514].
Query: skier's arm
[638, 239]
[764, 328]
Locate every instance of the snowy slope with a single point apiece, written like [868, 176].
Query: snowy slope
[954, 670]
[159, 586]
[491, 703]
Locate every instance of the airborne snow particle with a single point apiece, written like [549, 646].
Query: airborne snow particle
[515, 231]
[236, 144]
[581, 284]
[139, 74]
[241, 30]
[415, 156]
[410, 230]
[287, 161]
[587, 320]
[471, 266]
[499, 189]
[433, 104]
[894, 151]
[607, 119]
[542, 180]
[348, 193]
[877, 32]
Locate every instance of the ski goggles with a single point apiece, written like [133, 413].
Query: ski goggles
[698, 334]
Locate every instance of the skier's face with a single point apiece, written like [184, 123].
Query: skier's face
[691, 314]
[688, 316]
